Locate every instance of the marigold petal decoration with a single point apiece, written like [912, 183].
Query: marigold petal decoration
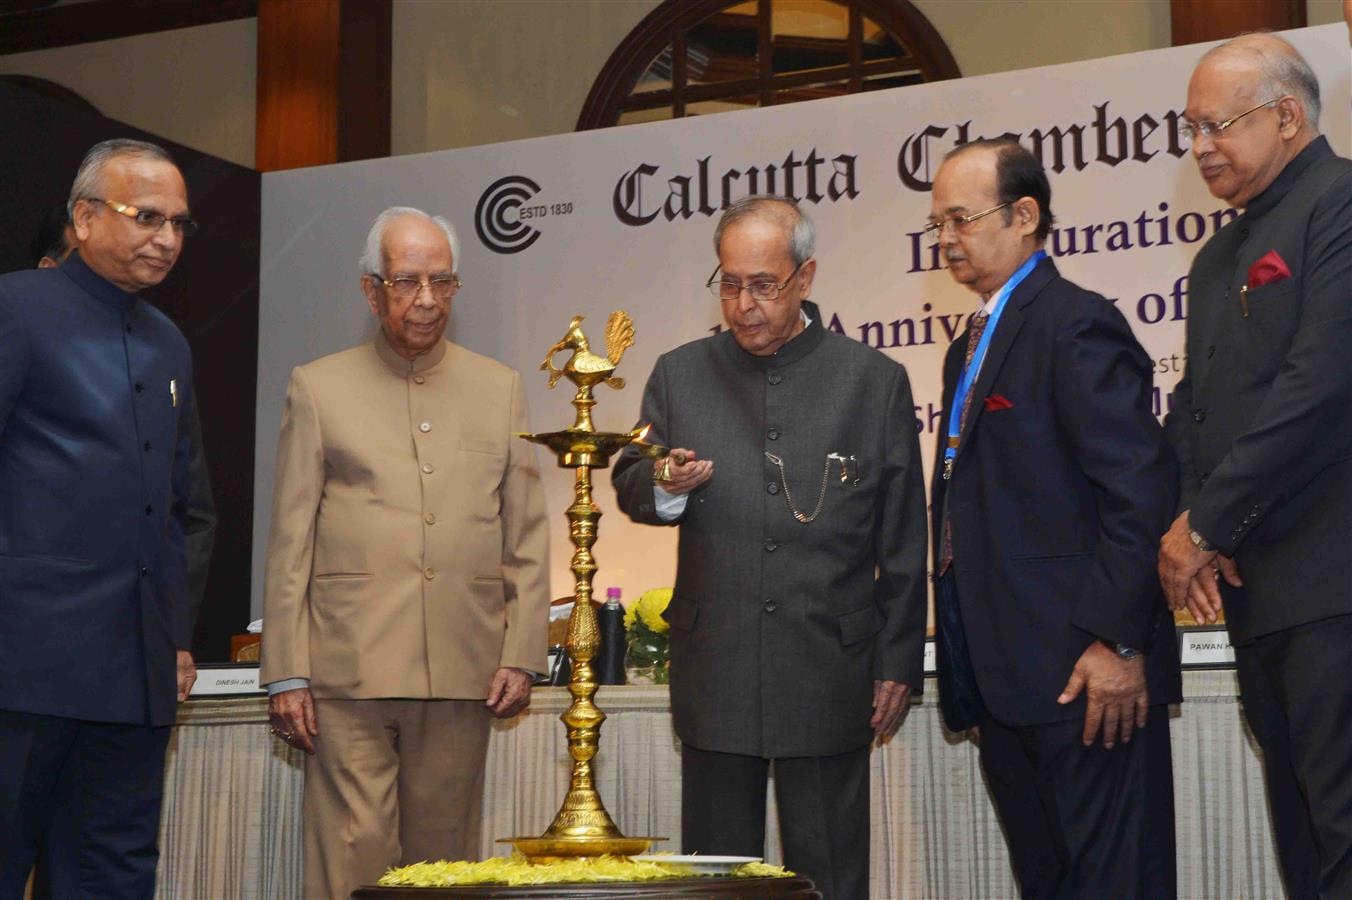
[651, 605]
[646, 633]
[516, 870]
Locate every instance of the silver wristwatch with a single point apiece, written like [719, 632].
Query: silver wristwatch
[1121, 650]
[1200, 541]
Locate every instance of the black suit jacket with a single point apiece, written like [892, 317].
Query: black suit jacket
[779, 628]
[1057, 503]
[1262, 418]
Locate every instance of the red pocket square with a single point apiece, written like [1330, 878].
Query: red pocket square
[996, 401]
[1269, 268]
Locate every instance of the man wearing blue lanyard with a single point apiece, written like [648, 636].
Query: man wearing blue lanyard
[1052, 484]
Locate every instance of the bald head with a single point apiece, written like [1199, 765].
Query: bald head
[1253, 106]
[1274, 67]
[800, 235]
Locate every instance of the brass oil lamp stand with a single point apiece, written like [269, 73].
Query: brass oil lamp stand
[582, 827]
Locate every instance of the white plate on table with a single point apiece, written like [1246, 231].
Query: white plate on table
[704, 865]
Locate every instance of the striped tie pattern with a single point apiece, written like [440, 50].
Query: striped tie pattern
[973, 338]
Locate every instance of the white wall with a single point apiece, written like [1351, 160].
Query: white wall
[471, 72]
[195, 86]
[988, 36]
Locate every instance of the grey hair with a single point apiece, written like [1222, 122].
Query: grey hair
[89, 177]
[1282, 70]
[371, 259]
[802, 237]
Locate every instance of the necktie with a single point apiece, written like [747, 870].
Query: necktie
[973, 338]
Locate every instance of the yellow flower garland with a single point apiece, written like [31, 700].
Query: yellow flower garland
[515, 870]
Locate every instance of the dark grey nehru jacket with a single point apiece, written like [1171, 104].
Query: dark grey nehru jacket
[1262, 419]
[779, 628]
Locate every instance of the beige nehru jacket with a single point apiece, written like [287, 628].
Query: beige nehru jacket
[409, 544]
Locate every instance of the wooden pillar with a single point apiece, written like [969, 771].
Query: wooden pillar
[323, 82]
[1194, 21]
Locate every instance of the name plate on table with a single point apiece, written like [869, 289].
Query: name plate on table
[226, 680]
[1205, 648]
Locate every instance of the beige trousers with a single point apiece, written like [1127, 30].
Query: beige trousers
[392, 782]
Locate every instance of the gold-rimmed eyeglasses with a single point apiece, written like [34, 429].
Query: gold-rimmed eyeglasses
[1188, 131]
[406, 287]
[934, 229]
[760, 291]
[149, 219]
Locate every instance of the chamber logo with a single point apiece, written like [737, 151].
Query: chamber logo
[502, 215]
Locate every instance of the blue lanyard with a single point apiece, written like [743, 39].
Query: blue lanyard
[969, 372]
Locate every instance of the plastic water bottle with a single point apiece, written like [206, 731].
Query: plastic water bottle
[610, 622]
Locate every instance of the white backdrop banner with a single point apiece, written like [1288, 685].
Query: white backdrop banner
[623, 218]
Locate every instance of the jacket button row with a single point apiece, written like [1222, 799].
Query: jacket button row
[427, 468]
[772, 487]
[774, 378]
[430, 518]
[1199, 417]
[429, 573]
[425, 427]
[773, 434]
[770, 545]
[771, 606]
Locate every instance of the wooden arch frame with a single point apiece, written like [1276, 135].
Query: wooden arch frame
[52, 89]
[667, 24]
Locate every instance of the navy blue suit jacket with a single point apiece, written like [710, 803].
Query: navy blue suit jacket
[93, 387]
[1057, 502]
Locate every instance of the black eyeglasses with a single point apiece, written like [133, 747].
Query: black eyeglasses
[760, 291]
[149, 219]
[405, 287]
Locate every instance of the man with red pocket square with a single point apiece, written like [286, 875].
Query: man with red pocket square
[1261, 425]
[1052, 484]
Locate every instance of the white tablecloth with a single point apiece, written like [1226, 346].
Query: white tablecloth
[231, 826]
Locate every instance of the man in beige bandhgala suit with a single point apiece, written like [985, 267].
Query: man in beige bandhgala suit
[406, 600]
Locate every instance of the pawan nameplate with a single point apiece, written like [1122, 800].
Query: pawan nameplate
[1205, 647]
